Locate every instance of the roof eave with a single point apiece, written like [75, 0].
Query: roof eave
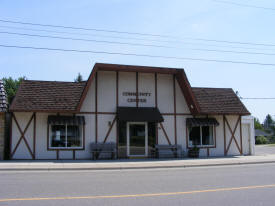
[225, 113]
[44, 111]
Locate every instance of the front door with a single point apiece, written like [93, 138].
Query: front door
[137, 139]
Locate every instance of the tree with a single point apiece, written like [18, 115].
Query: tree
[268, 122]
[11, 86]
[79, 78]
[257, 124]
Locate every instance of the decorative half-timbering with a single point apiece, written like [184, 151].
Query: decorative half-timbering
[134, 107]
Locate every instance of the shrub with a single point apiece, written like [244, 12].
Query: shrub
[261, 140]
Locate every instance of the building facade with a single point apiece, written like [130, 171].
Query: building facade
[135, 107]
[3, 109]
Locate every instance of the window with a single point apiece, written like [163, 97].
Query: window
[66, 136]
[201, 136]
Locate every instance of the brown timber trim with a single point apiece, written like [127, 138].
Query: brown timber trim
[73, 154]
[157, 133]
[84, 137]
[96, 123]
[48, 138]
[57, 154]
[131, 68]
[107, 113]
[215, 134]
[117, 103]
[109, 130]
[117, 79]
[136, 89]
[113, 113]
[10, 153]
[233, 135]
[187, 92]
[165, 134]
[34, 135]
[175, 108]
[177, 114]
[187, 136]
[86, 89]
[78, 112]
[22, 135]
[156, 90]
[241, 135]
[224, 135]
[156, 105]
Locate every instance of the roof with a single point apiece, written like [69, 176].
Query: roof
[139, 114]
[3, 98]
[259, 132]
[43, 96]
[219, 101]
[53, 96]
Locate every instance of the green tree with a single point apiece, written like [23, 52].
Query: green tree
[268, 122]
[257, 124]
[11, 86]
[79, 78]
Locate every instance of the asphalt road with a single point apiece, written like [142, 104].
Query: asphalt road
[226, 185]
[264, 149]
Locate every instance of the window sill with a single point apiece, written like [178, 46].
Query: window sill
[66, 148]
[202, 146]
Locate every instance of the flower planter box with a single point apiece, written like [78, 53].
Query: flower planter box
[193, 153]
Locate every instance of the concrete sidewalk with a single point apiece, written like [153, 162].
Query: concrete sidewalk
[16, 165]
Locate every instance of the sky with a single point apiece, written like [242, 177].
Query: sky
[180, 24]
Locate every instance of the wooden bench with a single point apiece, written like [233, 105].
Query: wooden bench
[162, 150]
[101, 148]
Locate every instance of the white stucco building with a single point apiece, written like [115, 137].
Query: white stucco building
[135, 107]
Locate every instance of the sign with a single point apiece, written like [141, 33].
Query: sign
[141, 96]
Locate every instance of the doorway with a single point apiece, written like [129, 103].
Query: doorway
[137, 139]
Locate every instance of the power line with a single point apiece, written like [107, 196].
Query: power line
[87, 40]
[138, 55]
[244, 5]
[132, 38]
[86, 29]
[258, 98]
[135, 33]
[136, 44]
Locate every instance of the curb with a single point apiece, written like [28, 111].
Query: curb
[134, 167]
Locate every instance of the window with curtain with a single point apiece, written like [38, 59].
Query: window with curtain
[66, 136]
[201, 136]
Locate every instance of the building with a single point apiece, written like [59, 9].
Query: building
[259, 133]
[3, 109]
[136, 107]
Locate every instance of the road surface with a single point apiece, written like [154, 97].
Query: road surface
[264, 149]
[225, 185]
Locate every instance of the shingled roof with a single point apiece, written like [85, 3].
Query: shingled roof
[219, 101]
[43, 96]
[53, 96]
[3, 98]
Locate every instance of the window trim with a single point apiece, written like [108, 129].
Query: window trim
[49, 148]
[201, 146]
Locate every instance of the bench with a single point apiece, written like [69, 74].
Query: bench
[162, 150]
[101, 149]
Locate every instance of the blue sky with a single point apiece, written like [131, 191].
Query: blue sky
[178, 18]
